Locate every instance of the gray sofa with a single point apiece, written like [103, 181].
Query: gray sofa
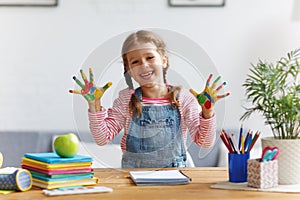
[14, 145]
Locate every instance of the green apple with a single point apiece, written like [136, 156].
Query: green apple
[67, 145]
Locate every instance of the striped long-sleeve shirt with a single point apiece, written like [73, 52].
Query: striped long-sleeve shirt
[106, 124]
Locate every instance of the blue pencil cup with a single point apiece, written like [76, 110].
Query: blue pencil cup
[237, 167]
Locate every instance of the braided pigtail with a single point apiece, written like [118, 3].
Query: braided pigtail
[135, 105]
[173, 90]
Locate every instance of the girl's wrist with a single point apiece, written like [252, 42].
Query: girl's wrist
[92, 107]
[95, 106]
[208, 113]
[98, 106]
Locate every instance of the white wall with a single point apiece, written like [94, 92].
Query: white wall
[41, 49]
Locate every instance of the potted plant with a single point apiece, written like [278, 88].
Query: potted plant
[274, 91]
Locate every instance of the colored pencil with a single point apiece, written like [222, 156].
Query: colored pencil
[243, 144]
[225, 141]
[241, 133]
[231, 143]
[254, 140]
[235, 144]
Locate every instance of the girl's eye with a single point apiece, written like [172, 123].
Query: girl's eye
[134, 62]
[150, 57]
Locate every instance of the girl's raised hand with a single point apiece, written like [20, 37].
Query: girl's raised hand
[88, 89]
[209, 96]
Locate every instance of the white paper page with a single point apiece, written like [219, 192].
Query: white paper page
[163, 174]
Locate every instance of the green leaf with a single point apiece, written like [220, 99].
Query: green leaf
[274, 93]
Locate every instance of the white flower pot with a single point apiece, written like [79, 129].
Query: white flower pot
[288, 159]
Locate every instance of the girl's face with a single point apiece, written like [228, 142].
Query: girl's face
[146, 65]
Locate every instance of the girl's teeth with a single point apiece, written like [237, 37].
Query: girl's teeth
[147, 74]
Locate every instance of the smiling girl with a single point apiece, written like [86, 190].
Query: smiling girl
[156, 117]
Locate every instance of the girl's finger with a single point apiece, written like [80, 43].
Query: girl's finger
[75, 91]
[208, 80]
[222, 96]
[223, 84]
[78, 82]
[106, 86]
[91, 75]
[83, 76]
[99, 91]
[194, 92]
[215, 82]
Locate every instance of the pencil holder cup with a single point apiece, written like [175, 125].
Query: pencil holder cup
[15, 179]
[237, 167]
[262, 174]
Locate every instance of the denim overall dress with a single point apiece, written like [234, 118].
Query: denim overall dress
[155, 140]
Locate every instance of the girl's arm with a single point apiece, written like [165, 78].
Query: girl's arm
[106, 124]
[206, 99]
[201, 129]
[103, 128]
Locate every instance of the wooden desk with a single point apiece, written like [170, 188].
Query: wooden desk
[124, 188]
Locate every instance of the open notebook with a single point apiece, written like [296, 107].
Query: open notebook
[161, 177]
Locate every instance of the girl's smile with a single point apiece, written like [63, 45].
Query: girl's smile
[147, 75]
[146, 64]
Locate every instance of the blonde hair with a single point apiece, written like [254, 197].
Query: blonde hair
[135, 39]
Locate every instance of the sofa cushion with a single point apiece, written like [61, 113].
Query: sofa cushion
[14, 144]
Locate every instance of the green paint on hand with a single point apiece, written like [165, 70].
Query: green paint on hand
[201, 98]
[89, 97]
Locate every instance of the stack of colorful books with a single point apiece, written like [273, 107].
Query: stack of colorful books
[51, 171]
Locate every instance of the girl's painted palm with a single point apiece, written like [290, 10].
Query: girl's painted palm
[88, 89]
[209, 96]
